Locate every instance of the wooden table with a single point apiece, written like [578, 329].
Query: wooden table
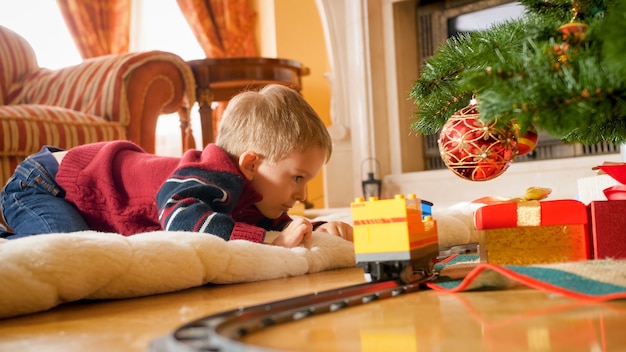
[511, 320]
[218, 80]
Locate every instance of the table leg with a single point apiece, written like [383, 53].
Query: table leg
[205, 98]
[185, 129]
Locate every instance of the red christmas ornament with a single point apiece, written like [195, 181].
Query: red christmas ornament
[474, 150]
[527, 142]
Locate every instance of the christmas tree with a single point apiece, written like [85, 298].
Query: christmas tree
[561, 67]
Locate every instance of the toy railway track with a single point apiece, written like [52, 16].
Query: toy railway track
[223, 331]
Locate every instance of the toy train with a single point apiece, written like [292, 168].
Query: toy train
[395, 238]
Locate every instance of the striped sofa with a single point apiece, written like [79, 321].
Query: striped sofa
[105, 98]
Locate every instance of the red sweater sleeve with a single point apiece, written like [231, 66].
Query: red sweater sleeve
[243, 231]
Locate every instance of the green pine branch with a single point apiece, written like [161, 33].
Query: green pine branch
[523, 71]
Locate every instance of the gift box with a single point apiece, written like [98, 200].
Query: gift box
[533, 232]
[607, 223]
[607, 228]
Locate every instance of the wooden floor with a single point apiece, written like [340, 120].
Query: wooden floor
[513, 320]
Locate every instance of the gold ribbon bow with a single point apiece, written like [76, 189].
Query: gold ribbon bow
[532, 193]
[528, 207]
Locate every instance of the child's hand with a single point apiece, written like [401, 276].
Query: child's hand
[296, 232]
[337, 228]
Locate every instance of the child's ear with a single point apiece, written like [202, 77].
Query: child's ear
[249, 163]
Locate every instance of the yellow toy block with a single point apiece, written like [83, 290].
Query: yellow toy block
[391, 229]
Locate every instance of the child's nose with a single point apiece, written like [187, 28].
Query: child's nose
[300, 195]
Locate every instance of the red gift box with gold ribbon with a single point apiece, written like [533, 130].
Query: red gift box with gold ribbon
[607, 220]
[533, 232]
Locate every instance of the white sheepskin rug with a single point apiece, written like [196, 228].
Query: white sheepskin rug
[40, 272]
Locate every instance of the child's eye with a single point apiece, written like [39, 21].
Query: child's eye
[298, 178]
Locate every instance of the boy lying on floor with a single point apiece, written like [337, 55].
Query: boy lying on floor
[270, 144]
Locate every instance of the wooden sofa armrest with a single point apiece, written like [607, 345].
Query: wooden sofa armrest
[132, 89]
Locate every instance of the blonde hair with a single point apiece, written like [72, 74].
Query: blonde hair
[272, 122]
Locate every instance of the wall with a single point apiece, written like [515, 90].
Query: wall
[292, 29]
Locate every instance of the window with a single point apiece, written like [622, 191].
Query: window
[483, 19]
[50, 38]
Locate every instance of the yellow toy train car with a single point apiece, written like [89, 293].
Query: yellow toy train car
[394, 238]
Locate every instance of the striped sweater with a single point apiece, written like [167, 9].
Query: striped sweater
[117, 187]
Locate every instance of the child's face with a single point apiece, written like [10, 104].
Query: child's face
[284, 182]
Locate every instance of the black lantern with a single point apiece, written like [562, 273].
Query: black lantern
[372, 187]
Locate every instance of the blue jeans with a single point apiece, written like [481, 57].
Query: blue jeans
[33, 203]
